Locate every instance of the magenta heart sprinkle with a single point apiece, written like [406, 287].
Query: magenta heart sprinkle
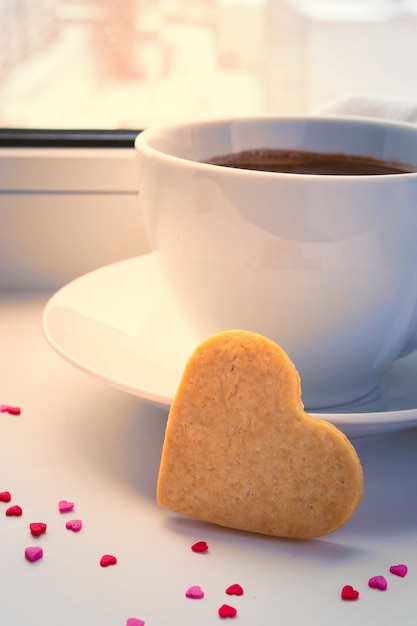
[195, 592]
[64, 506]
[399, 570]
[33, 553]
[378, 582]
[74, 524]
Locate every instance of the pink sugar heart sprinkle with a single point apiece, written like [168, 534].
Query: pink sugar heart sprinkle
[14, 511]
[234, 590]
[12, 410]
[74, 524]
[108, 559]
[33, 553]
[227, 611]
[65, 506]
[5, 496]
[399, 570]
[200, 546]
[134, 621]
[378, 582]
[195, 592]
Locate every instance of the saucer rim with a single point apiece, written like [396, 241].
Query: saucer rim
[398, 419]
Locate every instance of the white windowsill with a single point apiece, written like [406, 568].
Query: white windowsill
[65, 212]
[68, 169]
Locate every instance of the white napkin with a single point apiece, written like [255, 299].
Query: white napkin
[367, 106]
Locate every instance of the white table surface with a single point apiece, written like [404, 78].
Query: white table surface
[80, 440]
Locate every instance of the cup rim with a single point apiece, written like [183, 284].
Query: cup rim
[142, 142]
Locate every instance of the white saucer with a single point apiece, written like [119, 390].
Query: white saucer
[118, 324]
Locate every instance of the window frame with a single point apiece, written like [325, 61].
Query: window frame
[68, 205]
[61, 161]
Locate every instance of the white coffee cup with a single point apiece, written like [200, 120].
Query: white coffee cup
[326, 266]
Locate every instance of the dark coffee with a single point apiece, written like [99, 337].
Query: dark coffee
[300, 162]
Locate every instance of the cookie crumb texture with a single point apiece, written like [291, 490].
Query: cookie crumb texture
[240, 451]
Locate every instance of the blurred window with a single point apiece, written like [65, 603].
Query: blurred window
[127, 64]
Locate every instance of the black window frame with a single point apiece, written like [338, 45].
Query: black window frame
[82, 138]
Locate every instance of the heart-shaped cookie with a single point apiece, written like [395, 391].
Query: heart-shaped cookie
[240, 451]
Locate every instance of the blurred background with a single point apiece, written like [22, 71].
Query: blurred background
[132, 63]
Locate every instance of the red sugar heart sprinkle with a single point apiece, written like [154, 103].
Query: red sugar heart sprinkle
[134, 621]
[14, 511]
[108, 559]
[5, 496]
[200, 546]
[349, 593]
[37, 528]
[399, 570]
[234, 590]
[227, 611]
[12, 410]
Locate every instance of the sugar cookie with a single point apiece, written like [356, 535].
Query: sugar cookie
[240, 451]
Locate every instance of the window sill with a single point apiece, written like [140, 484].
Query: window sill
[65, 212]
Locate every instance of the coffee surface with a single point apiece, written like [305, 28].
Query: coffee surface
[303, 162]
